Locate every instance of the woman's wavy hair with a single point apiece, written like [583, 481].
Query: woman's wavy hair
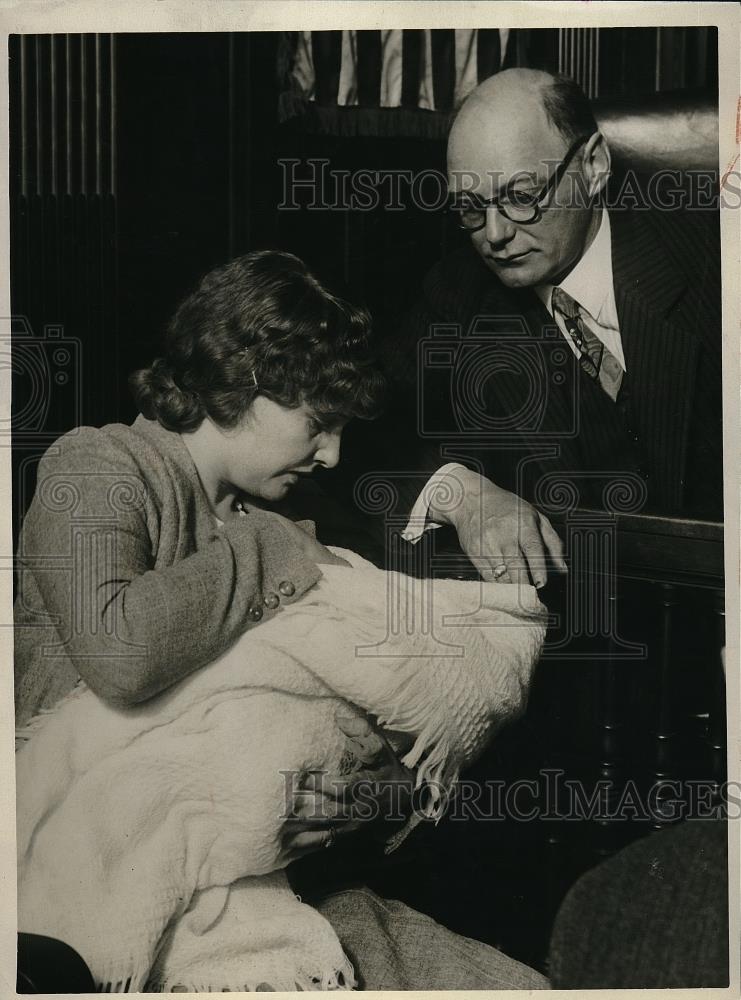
[261, 325]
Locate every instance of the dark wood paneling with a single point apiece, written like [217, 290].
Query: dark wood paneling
[174, 179]
[627, 61]
[63, 266]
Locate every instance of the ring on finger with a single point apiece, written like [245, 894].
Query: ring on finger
[499, 571]
[331, 837]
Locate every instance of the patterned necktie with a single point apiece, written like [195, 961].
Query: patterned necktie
[594, 358]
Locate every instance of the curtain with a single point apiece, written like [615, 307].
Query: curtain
[399, 82]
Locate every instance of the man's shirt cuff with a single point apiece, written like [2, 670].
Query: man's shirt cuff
[440, 481]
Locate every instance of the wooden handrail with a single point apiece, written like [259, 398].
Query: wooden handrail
[658, 525]
[665, 549]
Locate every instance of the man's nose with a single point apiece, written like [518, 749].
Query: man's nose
[328, 452]
[498, 230]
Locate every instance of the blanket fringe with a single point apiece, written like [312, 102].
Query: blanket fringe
[432, 757]
[339, 979]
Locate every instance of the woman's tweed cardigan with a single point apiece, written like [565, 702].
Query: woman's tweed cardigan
[124, 577]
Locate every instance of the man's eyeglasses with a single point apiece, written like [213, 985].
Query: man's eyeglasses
[525, 207]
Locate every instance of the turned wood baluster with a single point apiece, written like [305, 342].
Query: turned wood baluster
[610, 702]
[717, 715]
[666, 723]
[611, 750]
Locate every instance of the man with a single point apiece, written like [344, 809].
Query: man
[580, 352]
[566, 355]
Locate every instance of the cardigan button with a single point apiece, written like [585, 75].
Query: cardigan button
[271, 600]
[254, 614]
[286, 588]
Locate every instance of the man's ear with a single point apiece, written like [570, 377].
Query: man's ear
[597, 162]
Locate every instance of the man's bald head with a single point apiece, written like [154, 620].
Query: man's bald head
[530, 97]
[519, 109]
[509, 135]
[512, 91]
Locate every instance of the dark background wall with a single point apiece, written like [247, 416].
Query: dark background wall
[140, 161]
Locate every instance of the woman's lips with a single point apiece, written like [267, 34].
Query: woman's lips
[296, 474]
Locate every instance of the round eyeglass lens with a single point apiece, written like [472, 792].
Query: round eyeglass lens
[472, 218]
[520, 209]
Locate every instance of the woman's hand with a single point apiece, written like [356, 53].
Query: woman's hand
[315, 823]
[372, 785]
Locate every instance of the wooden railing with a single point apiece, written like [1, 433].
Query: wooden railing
[665, 593]
[643, 713]
[664, 549]
[629, 697]
[629, 693]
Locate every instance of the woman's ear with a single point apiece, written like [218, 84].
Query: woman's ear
[597, 162]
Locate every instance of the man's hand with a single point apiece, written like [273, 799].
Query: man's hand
[506, 539]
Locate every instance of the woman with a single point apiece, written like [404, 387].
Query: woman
[169, 554]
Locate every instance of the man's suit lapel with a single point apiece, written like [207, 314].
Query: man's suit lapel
[660, 350]
[550, 421]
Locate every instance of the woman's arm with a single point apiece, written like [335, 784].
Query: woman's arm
[132, 630]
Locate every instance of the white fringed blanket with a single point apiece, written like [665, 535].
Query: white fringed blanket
[148, 838]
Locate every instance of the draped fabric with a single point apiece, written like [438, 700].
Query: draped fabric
[402, 82]
[150, 839]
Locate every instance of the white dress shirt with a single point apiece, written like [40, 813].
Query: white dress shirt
[590, 283]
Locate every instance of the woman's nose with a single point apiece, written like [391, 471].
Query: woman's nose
[328, 452]
[498, 229]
